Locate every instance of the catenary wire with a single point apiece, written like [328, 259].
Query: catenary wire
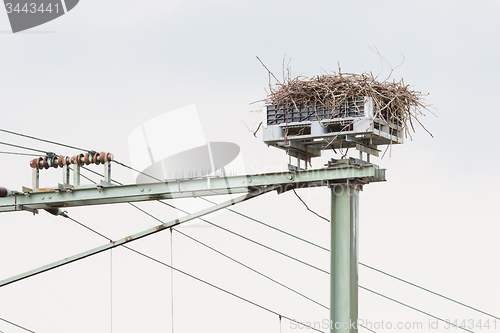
[211, 248]
[366, 328]
[23, 147]
[248, 239]
[24, 328]
[362, 264]
[422, 288]
[129, 167]
[200, 280]
[14, 153]
[230, 231]
[73, 147]
[270, 226]
[430, 291]
[411, 307]
[43, 140]
[250, 268]
[221, 253]
[221, 289]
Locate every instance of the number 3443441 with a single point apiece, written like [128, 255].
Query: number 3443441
[31, 8]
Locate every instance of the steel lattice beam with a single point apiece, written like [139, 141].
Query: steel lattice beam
[99, 195]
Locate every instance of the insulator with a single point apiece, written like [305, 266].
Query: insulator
[102, 157]
[86, 159]
[54, 162]
[34, 163]
[39, 163]
[81, 159]
[4, 192]
[95, 159]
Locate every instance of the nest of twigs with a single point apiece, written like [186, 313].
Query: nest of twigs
[394, 101]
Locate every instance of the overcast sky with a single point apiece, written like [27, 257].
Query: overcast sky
[91, 76]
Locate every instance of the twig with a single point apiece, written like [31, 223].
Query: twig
[312, 211]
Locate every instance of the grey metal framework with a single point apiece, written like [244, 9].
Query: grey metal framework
[344, 177]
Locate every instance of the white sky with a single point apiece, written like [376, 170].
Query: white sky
[90, 77]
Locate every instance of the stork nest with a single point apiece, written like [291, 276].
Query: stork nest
[394, 101]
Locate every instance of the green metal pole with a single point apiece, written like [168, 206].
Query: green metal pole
[344, 259]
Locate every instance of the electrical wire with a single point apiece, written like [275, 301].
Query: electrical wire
[213, 249]
[250, 268]
[22, 147]
[270, 226]
[124, 165]
[83, 225]
[227, 230]
[366, 328]
[365, 265]
[413, 308]
[24, 328]
[249, 239]
[430, 291]
[200, 280]
[221, 289]
[22, 154]
[145, 174]
[362, 264]
[43, 140]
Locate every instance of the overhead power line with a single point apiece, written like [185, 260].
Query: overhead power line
[23, 147]
[362, 264]
[430, 291]
[211, 248]
[122, 164]
[230, 231]
[14, 153]
[201, 280]
[250, 268]
[413, 308]
[224, 290]
[249, 239]
[43, 140]
[270, 226]
[14, 324]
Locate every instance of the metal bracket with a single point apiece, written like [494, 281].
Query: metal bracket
[31, 210]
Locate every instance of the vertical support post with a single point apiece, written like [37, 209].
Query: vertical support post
[107, 172]
[66, 176]
[344, 259]
[35, 178]
[76, 175]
